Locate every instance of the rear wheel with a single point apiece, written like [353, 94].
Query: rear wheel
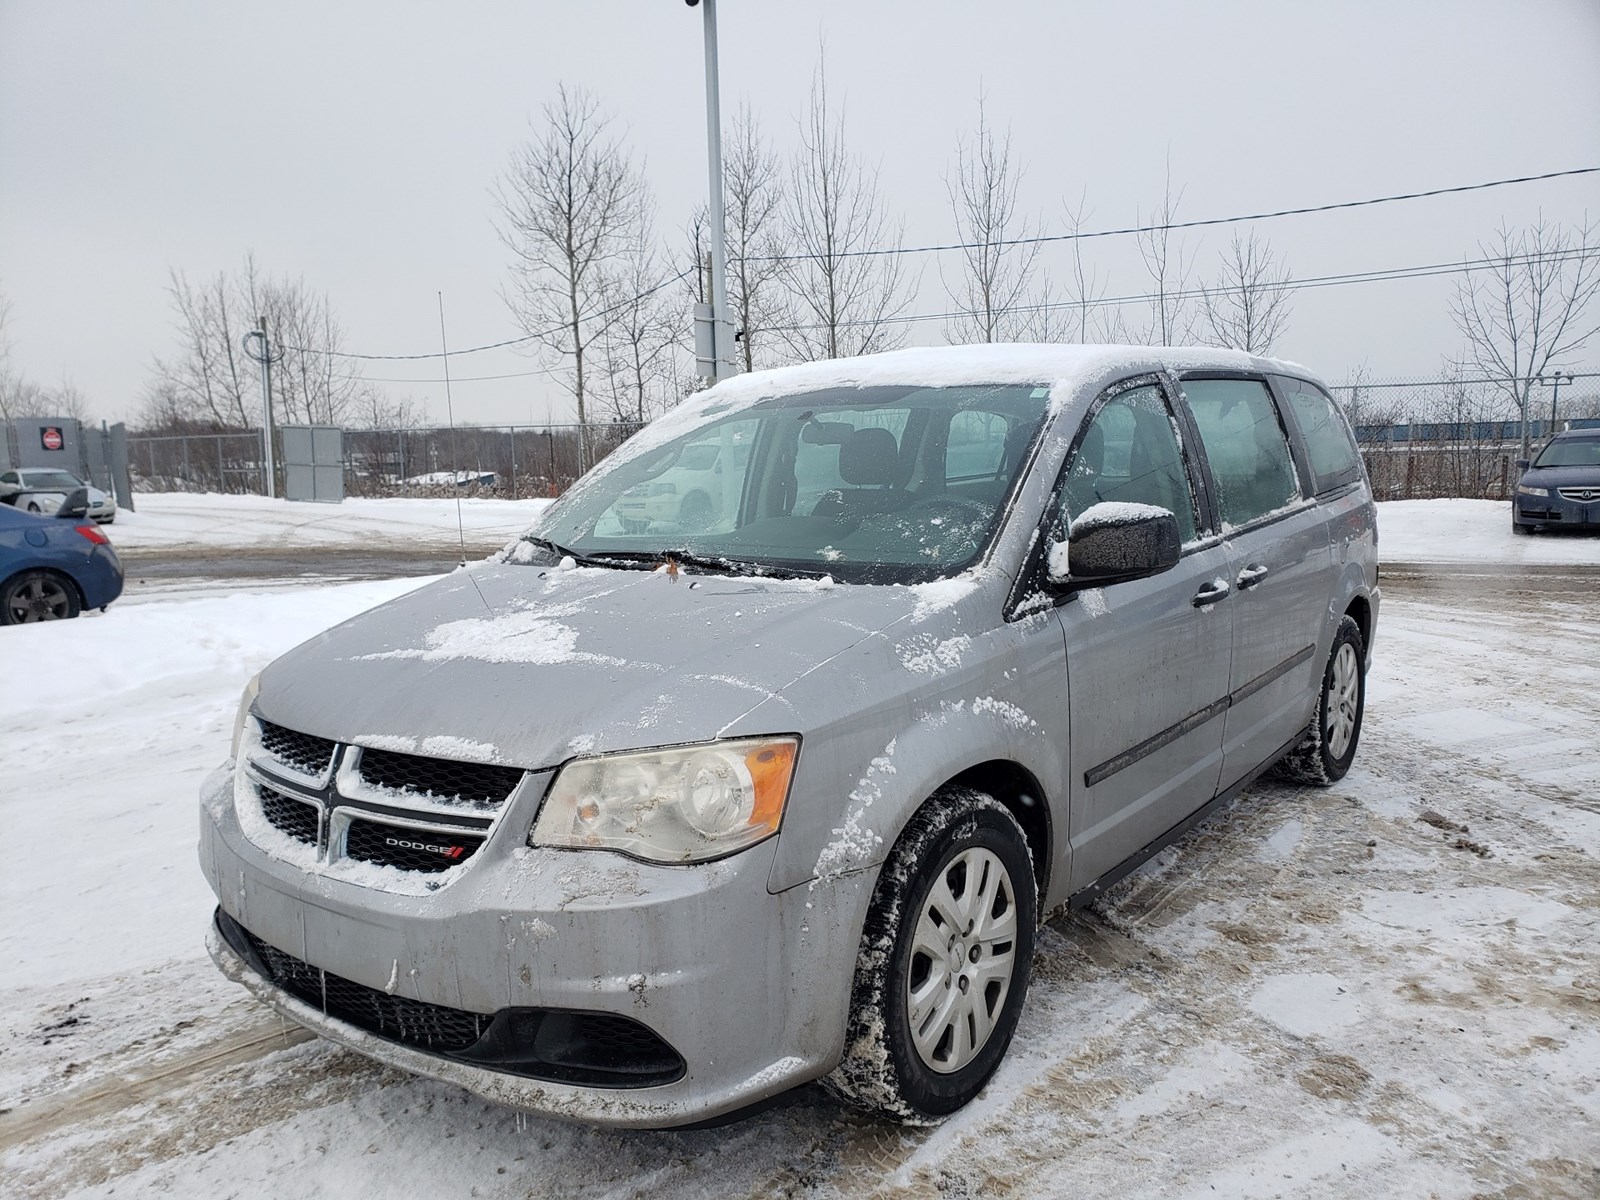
[37, 596]
[1330, 743]
[944, 963]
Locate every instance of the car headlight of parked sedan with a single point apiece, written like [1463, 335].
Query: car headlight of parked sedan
[680, 805]
[1525, 490]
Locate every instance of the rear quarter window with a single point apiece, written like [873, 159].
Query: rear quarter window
[1334, 461]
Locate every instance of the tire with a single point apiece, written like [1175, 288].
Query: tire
[959, 847]
[33, 506]
[38, 596]
[1330, 743]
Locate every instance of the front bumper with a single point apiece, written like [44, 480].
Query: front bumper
[1555, 511]
[751, 989]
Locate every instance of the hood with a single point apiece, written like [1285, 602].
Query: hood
[531, 665]
[1549, 477]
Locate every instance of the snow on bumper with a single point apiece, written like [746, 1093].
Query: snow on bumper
[750, 988]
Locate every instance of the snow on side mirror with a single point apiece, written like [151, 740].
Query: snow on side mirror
[1114, 542]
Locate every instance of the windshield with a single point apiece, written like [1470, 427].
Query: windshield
[1570, 452]
[882, 484]
[50, 479]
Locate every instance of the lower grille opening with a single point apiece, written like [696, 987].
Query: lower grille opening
[593, 1049]
[408, 849]
[290, 816]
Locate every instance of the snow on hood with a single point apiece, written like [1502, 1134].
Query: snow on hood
[533, 665]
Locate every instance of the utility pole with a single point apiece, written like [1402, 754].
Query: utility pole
[258, 346]
[1555, 381]
[714, 334]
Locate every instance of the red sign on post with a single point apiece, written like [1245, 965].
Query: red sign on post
[50, 437]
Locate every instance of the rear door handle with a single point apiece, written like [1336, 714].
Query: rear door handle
[1212, 592]
[1251, 575]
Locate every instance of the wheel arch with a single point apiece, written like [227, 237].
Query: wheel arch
[1016, 787]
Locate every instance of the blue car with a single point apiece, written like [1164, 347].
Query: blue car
[1560, 489]
[54, 567]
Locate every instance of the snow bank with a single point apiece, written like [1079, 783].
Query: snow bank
[125, 714]
[1472, 531]
[183, 520]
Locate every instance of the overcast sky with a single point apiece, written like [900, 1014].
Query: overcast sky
[354, 144]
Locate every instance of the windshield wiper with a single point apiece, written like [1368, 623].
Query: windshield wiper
[719, 563]
[561, 551]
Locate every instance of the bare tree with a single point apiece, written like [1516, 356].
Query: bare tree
[1085, 314]
[1249, 306]
[638, 342]
[210, 379]
[570, 204]
[1529, 307]
[1168, 266]
[753, 197]
[844, 274]
[994, 295]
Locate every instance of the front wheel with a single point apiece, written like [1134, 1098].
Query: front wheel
[1330, 743]
[944, 962]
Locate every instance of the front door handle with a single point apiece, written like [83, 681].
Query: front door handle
[1212, 592]
[1252, 575]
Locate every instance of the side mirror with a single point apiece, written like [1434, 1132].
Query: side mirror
[76, 506]
[1523, 464]
[1113, 543]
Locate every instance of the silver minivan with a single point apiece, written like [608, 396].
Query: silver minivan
[645, 821]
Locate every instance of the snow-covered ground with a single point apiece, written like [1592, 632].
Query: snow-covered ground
[1411, 530]
[1472, 531]
[184, 520]
[1388, 988]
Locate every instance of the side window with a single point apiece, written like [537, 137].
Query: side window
[1333, 455]
[1244, 443]
[1130, 453]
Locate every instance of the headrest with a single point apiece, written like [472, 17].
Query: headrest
[868, 456]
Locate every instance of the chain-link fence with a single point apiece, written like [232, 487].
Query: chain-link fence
[1419, 438]
[1423, 439]
[510, 461]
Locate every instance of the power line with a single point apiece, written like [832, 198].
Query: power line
[1061, 237]
[517, 341]
[1422, 271]
[1195, 224]
[1381, 275]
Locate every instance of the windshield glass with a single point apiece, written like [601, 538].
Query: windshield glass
[882, 484]
[49, 479]
[1570, 452]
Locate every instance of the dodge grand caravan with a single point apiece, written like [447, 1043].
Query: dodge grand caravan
[643, 826]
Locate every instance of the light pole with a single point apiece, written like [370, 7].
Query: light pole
[1555, 382]
[259, 347]
[714, 337]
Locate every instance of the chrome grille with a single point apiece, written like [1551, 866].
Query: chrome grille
[1581, 495]
[291, 815]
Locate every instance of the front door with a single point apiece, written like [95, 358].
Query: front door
[1147, 660]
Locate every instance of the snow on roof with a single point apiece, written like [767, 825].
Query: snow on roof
[1052, 365]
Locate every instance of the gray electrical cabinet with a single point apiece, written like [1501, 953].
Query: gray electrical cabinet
[313, 462]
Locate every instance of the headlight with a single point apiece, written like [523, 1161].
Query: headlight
[682, 805]
[1532, 491]
[251, 691]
